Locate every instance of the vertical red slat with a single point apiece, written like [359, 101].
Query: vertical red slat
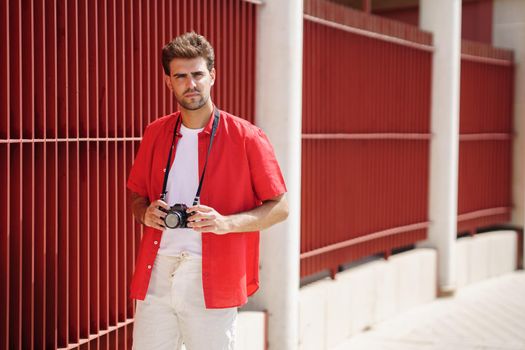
[137, 84]
[15, 204]
[153, 63]
[85, 234]
[63, 287]
[73, 198]
[15, 71]
[63, 189]
[40, 178]
[113, 222]
[120, 246]
[92, 68]
[84, 198]
[104, 234]
[111, 68]
[15, 248]
[145, 64]
[102, 48]
[83, 69]
[27, 245]
[73, 244]
[4, 175]
[28, 70]
[130, 231]
[5, 243]
[94, 238]
[51, 245]
[4, 70]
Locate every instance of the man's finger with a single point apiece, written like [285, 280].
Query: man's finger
[200, 207]
[201, 216]
[161, 203]
[159, 221]
[159, 213]
[201, 223]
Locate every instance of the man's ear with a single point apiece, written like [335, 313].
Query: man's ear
[213, 74]
[167, 80]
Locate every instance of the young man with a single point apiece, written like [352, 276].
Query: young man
[190, 280]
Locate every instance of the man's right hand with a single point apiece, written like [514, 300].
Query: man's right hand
[153, 216]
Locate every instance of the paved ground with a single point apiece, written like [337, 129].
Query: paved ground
[486, 315]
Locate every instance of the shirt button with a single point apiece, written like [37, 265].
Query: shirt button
[149, 267]
[156, 242]
[164, 170]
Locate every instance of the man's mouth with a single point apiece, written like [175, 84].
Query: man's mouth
[191, 94]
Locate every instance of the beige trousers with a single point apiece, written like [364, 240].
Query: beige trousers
[174, 313]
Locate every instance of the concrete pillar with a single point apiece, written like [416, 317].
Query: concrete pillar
[443, 19]
[509, 32]
[278, 113]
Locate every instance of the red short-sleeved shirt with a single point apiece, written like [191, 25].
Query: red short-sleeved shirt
[242, 172]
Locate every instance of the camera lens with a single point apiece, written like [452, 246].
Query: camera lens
[172, 220]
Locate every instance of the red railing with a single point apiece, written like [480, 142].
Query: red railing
[366, 122]
[80, 81]
[485, 157]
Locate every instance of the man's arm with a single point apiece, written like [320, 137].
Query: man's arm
[207, 219]
[148, 213]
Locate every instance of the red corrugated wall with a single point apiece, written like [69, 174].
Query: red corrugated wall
[366, 133]
[485, 150]
[80, 81]
[476, 18]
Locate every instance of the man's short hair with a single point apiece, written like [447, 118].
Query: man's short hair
[187, 45]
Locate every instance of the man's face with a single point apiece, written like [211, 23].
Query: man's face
[190, 81]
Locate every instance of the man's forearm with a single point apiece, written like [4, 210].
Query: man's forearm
[260, 218]
[139, 205]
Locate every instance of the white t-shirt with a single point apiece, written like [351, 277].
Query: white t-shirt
[183, 181]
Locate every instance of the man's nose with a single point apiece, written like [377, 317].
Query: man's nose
[191, 82]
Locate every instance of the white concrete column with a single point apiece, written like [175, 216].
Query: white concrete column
[278, 113]
[509, 32]
[443, 19]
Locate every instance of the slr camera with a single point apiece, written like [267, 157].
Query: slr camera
[176, 216]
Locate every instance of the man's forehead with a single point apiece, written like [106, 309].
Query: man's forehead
[188, 65]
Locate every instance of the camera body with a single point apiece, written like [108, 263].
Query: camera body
[176, 216]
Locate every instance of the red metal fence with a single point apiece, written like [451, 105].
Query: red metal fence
[485, 158]
[366, 122]
[80, 81]
[476, 18]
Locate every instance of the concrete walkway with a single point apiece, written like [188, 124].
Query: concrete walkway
[486, 315]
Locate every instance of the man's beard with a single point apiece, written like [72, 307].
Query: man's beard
[193, 106]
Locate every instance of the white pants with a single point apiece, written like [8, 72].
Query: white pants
[173, 311]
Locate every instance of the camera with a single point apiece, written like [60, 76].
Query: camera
[176, 216]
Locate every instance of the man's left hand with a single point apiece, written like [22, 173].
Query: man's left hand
[207, 219]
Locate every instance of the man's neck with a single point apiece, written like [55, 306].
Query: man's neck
[199, 118]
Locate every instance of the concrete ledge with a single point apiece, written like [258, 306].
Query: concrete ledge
[250, 331]
[485, 255]
[358, 298]
[312, 310]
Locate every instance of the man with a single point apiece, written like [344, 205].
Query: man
[190, 280]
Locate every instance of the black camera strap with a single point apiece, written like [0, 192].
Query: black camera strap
[215, 125]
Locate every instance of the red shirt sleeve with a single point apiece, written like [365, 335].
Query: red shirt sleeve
[266, 175]
[138, 176]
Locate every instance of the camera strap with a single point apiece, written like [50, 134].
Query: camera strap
[196, 200]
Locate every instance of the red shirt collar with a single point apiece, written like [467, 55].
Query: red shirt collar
[207, 128]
